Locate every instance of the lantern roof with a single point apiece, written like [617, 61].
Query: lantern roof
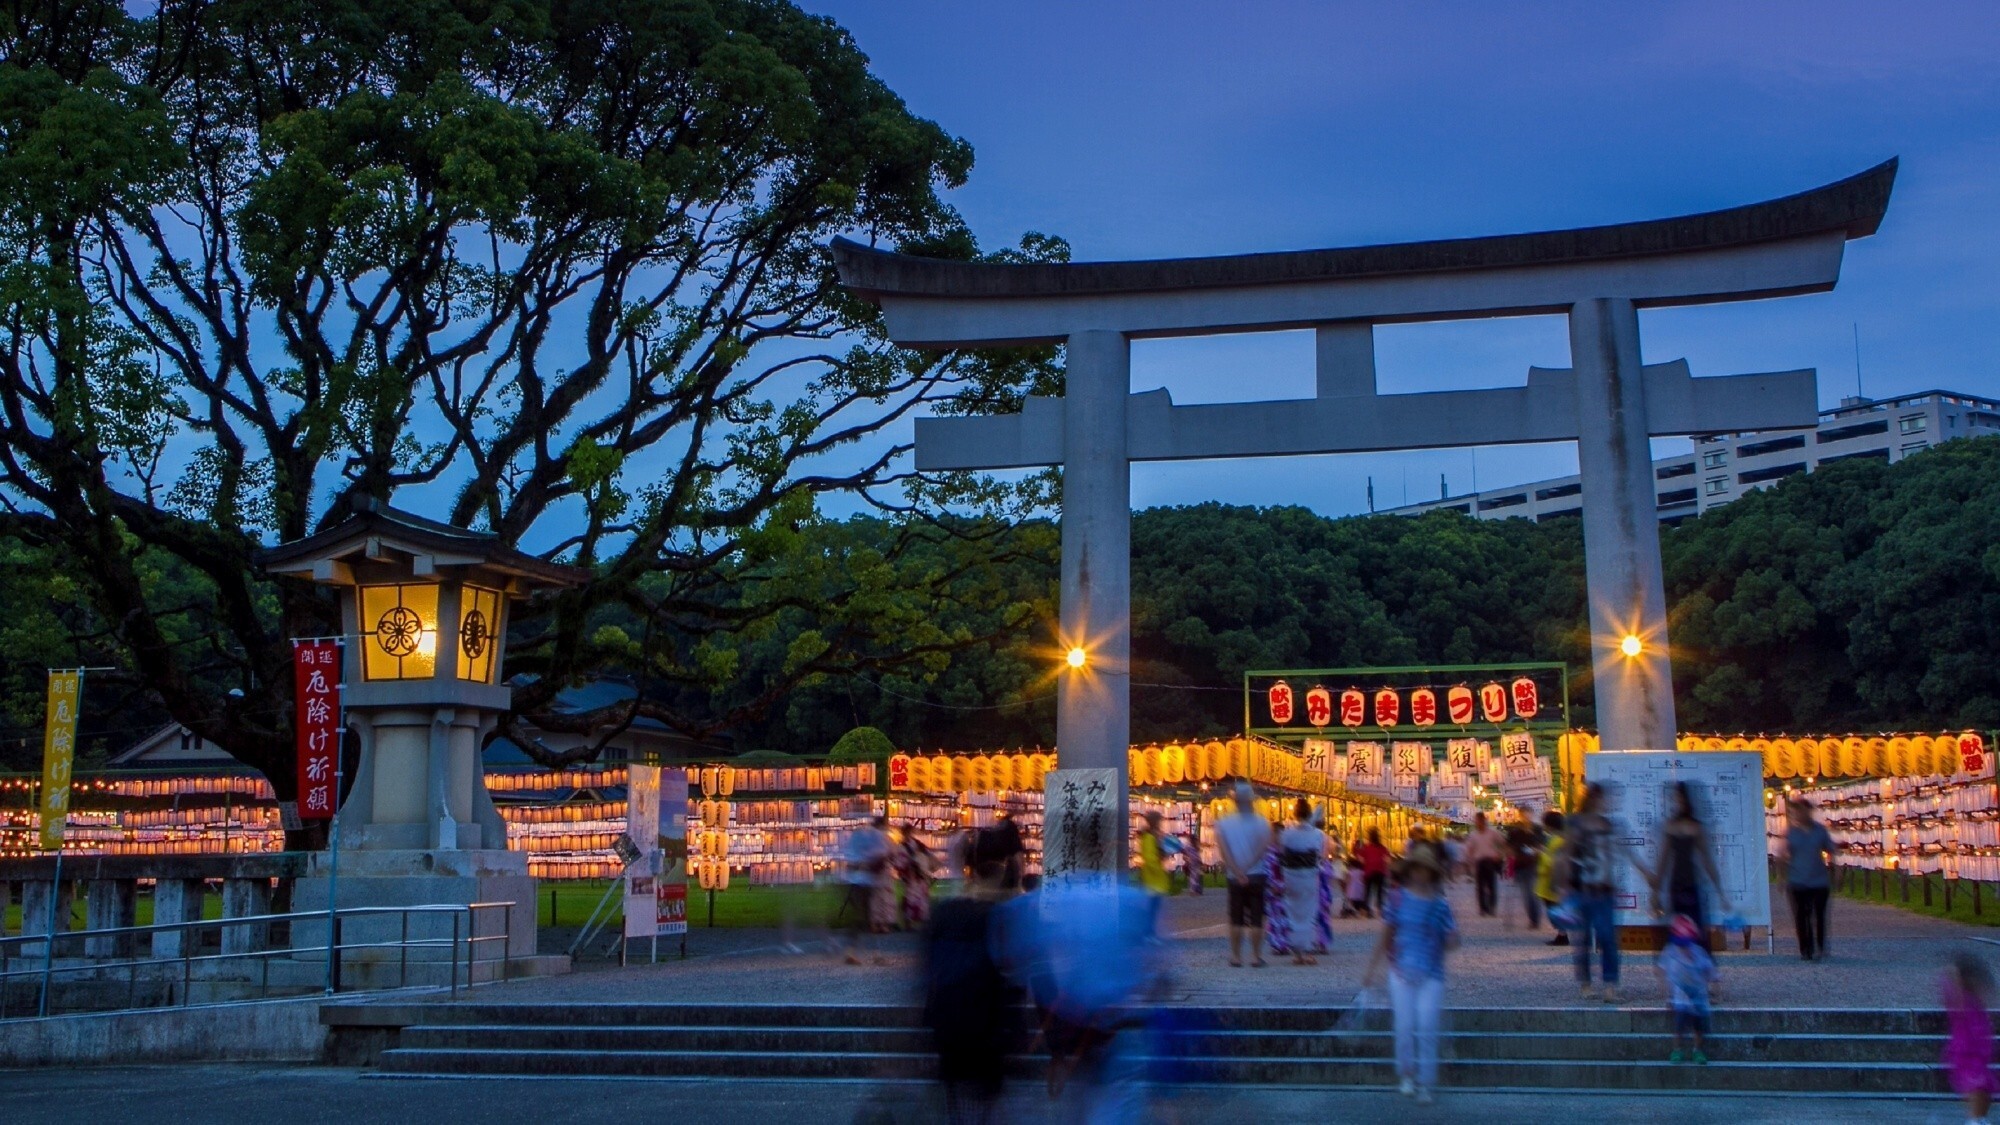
[377, 533]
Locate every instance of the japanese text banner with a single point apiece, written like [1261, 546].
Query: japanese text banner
[316, 688]
[59, 754]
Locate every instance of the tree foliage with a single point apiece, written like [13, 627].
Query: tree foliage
[553, 270]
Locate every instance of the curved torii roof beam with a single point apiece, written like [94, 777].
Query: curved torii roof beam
[1774, 248]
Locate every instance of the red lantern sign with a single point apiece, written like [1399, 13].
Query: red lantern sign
[1527, 700]
[1353, 708]
[899, 771]
[1319, 707]
[1424, 707]
[1388, 708]
[1493, 702]
[1972, 753]
[1458, 704]
[1280, 697]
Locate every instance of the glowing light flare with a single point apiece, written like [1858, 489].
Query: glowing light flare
[1076, 657]
[1631, 645]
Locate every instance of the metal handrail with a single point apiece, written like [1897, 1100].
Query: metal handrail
[466, 914]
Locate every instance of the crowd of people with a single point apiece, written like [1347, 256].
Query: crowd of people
[1090, 960]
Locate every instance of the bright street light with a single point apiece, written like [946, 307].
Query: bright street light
[1631, 645]
[1076, 657]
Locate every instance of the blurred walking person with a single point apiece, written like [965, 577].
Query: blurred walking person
[1690, 971]
[1485, 851]
[1374, 872]
[1592, 856]
[1524, 853]
[1809, 855]
[1245, 837]
[1547, 890]
[1686, 853]
[918, 869]
[1297, 888]
[968, 1003]
[1968, 1049]
[1419, 929]
[1154, 847]
[864, 858]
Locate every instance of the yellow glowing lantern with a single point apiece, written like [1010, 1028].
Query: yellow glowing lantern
[1173, 763]
[1737, 743]
[725, 778]
[1155, 768]
[945, 774]
[1853, 757]
[1685, 744]
[1877, 757]
[1714, 742]
[920, 774]
[399, 625]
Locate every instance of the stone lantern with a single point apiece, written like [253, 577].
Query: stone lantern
[424, 609]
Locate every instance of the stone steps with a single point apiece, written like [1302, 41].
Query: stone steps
[1887, 1052]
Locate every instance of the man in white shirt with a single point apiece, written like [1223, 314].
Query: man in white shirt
[1485, 851]
[1244, 837]
[865, 856]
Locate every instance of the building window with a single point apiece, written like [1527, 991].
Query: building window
[1715, 459]
[1775, 445]
[1683, 469]
[1758, 476]
[1859, 429]
[1677, 496]
[1718, 485]
[1558, 492]
[1914, 424]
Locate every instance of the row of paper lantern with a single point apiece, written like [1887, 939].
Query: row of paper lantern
[1916, 755]
[1173, 764]
[718, 781]
[712, 814]
[1463, 706]
[942, 773]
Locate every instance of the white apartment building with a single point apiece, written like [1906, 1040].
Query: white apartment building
[1725, 466]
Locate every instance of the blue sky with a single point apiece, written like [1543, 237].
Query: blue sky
[1163, 129]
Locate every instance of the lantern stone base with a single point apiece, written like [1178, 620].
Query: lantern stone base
[440, 877]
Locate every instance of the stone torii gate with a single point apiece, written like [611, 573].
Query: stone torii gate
[1607, 402]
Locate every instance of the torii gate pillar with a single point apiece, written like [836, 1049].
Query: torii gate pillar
[1621, 534]
[1094, 702]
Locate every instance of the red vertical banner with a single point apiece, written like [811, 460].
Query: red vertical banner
[316, 689]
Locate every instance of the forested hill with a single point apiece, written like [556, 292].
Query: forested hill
[1861, 597]
[1864, 596]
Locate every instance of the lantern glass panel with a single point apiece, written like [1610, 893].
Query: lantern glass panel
[400, 626]
[478, 634]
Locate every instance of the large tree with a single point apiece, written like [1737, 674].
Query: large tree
[549, 268]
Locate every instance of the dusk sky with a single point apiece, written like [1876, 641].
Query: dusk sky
[1141, 130]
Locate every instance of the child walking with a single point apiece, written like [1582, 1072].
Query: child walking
[1690, 970]
[1968, 1048]
[1419, 930]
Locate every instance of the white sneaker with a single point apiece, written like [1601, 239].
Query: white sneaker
[1408, 1088]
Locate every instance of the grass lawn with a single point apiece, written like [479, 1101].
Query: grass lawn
[1866, 886]
[570, 904]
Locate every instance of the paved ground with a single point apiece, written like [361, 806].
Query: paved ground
[1882, 958]
[222, 1095]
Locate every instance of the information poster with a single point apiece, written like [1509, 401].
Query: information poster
[643, 872]
[1728, 790]
[672, 885]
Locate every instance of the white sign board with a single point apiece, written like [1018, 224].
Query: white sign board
[1728, 789]
[642, 874]
[1080, 836]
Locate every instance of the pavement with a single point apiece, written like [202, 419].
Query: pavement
[1881, 957]
[227, 1095]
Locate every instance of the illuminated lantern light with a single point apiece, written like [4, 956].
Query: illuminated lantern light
[1459, 705]
[1239, 757]
[1353, 708]
[1216, 761]
[725, 776]
[1135, 767]
[944, 774]
[708, 782]
[1896, 757]
[1736, 743]
[1877, 757]
[1493, 703]
[1319, 707]
[982, 773]
[1194, 762]
[1972, 754]
[920, 775]
[899, 771]
[1424, 707]
[1279, 700]
[1156, 765]
[1173, 764]
[1712, 742]
[1854, 757]
[1767, 750]
[1527, 698]
[1388, 708]
[1686, 743]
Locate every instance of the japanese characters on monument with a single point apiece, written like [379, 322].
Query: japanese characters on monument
[316, 687]
[1080, 834]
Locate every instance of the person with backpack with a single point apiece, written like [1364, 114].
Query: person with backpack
[1588, 867]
